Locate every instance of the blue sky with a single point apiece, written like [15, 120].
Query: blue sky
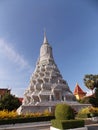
[72, 31]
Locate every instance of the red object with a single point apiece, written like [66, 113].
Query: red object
[78, 90]
[20, 99]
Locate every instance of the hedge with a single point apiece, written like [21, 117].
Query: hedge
[64, 112]
[83, 116]
[25, 120]
[67, 124]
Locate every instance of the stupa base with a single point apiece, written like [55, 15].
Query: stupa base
[50, 106]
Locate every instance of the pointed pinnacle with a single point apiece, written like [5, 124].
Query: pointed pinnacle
[45, 38]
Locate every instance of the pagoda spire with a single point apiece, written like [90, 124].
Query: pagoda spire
[45, 38]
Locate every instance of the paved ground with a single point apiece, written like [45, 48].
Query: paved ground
[93, 127]
[38, 126]
[27, 126]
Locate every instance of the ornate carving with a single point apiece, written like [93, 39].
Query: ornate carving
[46, 83]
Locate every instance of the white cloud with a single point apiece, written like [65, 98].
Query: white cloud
[20, 79]
[8, 50]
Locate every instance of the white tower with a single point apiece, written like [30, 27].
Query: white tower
[46, 83]
[46, 87]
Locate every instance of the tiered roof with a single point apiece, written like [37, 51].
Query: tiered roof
[78, 90]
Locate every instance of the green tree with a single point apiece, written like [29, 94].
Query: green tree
[9, 102]
[91, 82]
[94, 99]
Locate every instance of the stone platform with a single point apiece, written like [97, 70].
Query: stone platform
[50, 106]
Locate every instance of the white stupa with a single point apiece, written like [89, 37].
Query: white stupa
[47, 86]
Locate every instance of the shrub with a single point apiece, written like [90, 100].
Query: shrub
[67, 124]
[87, 112]
[83, 113]
[12, 117]
[6, 114]
[13, 114]
[25, 120]
[64, 112]
[64, 118]
[93, 111]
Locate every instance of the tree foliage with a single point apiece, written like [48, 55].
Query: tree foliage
[9, 102]
[91, 82]
[94, 99]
